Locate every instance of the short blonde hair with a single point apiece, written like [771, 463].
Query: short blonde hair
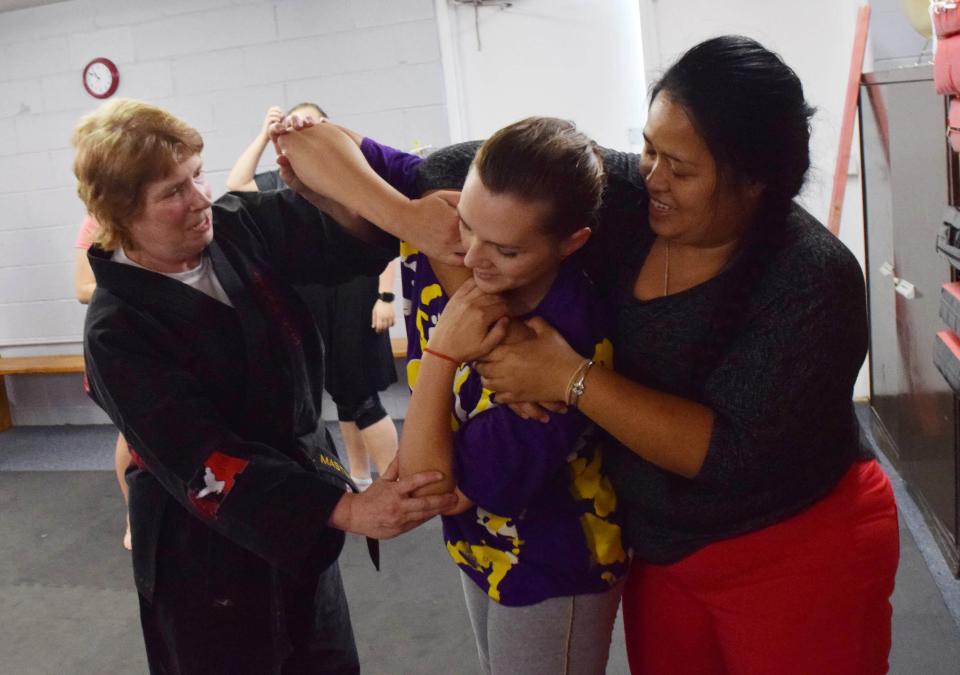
[122, 147]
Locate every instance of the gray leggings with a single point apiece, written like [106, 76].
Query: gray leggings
[569, 635]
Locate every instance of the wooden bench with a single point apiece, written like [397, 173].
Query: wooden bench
[73, 363]
[32, 365]
[399, 345]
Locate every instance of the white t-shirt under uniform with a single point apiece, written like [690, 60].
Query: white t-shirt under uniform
[202, 277]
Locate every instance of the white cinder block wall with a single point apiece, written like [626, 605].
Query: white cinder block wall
[372, 64]
[576, 59]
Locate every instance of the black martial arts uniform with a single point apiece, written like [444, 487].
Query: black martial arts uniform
[234, 478]
[358, 360]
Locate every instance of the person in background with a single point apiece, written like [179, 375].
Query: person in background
[354, 319]
[206, 359]
[84, 285]
[764, 532]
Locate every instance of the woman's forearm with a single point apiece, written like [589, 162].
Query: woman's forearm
[669, 431]
[666, 430]
[427, 440]
[329, 162]
[357, 138]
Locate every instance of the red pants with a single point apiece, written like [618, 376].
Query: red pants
[808, 596]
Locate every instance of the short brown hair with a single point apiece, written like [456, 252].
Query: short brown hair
[308, 104]
[546, 159]
[122, 147]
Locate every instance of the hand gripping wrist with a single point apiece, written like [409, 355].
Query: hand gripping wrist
[342, 514]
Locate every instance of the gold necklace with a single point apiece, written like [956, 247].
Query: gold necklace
[666, 270]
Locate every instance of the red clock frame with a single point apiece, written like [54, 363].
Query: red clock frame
[114, 74]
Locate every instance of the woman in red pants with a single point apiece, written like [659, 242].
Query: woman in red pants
[764, 533]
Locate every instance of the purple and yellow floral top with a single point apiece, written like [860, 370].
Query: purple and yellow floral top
[544, 522]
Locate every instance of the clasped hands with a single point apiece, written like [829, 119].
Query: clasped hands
[526, 363]
[388, 507]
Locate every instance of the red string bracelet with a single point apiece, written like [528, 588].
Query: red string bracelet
[427, 350]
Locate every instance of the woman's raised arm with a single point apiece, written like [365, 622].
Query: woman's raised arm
[328, 161]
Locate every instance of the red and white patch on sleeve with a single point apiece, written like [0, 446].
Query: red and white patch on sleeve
[219, 475]
[136, 458]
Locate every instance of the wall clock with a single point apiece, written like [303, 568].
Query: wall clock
[101, 78]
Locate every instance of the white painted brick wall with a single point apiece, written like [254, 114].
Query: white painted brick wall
[54, 20]
[62, 174]
[219, 64]
[89, 45]
[301, 18]
[204, 31]
[23, 321]
[125, 13]
[63, 91]
[212, 71]
[197, 109]
[415, 43]
[49, 208]
[239, 112]
[398, 87]
[20, 97]
[8, 136]
[44, 131]
[24, 172]
[50, 281]
[383, 12]
[149, 81]
[311, 57]
[39, 246]
[37, 58]
[13, 207]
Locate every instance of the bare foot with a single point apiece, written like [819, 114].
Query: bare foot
[127, 541]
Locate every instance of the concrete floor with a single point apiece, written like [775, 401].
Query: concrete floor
[68, 607]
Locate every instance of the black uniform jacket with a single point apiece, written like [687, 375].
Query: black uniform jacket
[220, 405]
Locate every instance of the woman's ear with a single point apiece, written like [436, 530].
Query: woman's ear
[574, 242]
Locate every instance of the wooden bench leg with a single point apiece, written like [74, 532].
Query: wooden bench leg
[5, 421]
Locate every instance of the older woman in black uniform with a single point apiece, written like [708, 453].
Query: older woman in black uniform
[207, 361]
